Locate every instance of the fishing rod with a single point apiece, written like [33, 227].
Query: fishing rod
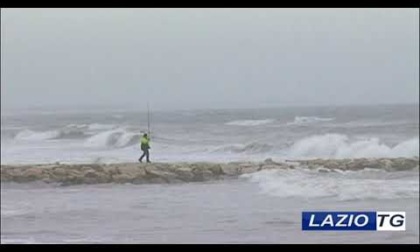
[148, 120]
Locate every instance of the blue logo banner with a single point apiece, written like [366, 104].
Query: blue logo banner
[344, 221]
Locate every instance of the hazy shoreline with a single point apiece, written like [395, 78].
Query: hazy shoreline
[143, 173]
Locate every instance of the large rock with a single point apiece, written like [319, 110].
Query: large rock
[111, 169]
[4, 176]
[9, 173]
[72, 180]
[184, 173]
[380, 164]
[202, 175]
[121, 178]
[95, 167]
[33, 174]
[154, 172]
[132, 170]
[164, 167]
[354, 165]
[317, 162]
[59, 172]
[331, 164]
[249, 168]
[405, 164]
[270, 161]
[92, 176]
[214, 168]
[272, 166]
[230, 169]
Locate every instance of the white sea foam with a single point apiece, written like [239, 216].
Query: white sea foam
[250, 122]
[343, 186]
[308, 119]
[112, 138]
[29, 135]
[98, 126]
[245, 148]
[341, 146]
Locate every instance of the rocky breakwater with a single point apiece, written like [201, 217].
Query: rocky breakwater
[67, 174]
[387, 164]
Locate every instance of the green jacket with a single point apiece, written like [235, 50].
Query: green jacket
[145, 142]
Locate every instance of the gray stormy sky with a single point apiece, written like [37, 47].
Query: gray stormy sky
[208, 58]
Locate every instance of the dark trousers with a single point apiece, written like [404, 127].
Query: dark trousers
[145, 153]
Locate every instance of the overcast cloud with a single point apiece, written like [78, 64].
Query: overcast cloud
[208, 58]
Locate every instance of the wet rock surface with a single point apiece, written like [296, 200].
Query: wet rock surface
[182, 172]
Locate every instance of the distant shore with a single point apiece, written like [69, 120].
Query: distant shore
[145, 173]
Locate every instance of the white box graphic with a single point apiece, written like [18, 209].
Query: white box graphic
[390, 221]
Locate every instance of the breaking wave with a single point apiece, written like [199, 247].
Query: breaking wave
[245, 148]
[36, 136]
[340, 146]
[29, 135]
[113, 138]
[349, 185]
[299, 120]
[98, 126]
[91, 127]
[249, 122]
[70, 131]
[328, 146]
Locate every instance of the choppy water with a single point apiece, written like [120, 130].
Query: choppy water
[211, 135]
[263, 207]
[253, 209]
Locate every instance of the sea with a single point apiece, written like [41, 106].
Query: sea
[261, 207]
